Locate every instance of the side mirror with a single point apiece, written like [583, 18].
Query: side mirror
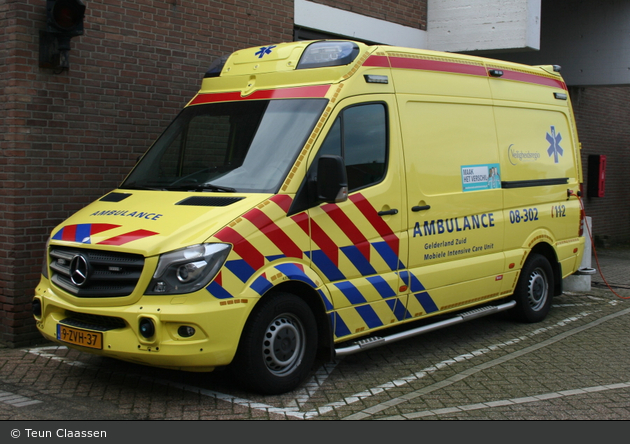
[332, 181]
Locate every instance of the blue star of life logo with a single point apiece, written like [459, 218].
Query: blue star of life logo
[264, 51]
[554, 140]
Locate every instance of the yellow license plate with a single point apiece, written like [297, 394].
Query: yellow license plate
[84, 338]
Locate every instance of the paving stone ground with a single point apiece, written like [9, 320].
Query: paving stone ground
[572, 366]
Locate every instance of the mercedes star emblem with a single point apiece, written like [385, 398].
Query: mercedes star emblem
[79, 270]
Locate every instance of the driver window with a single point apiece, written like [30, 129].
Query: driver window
[359, 135]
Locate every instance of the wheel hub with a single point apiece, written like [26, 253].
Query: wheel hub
[283, 346]
[537, 289]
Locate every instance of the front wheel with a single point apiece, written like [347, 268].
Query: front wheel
[278, 346]
[534, 290]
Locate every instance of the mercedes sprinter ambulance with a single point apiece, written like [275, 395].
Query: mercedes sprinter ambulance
[311, 196]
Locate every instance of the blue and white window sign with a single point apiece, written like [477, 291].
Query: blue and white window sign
[481, 177]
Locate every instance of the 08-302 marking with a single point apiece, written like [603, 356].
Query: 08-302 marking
[524, 215]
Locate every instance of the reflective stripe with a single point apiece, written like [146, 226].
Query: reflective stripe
[359, 260]
[376, 221]
[341, 329]
[325, 243]
[81, 232]
[377, 61]
[399, 309]
[127, 237]
[293, 272]
[532, 78]
[437, 65]
[261, 285]
[330, 269]
[369, 316]
[427, 303]
[279, 238]
[462, 68]
[349, 228]
[283, 201]
[307, 92]
[241, 269]
[350, 292]
[381, 285]
[390, 256]
[218, 291]
[242, 247]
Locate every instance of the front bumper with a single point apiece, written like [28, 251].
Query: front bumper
[217, 328]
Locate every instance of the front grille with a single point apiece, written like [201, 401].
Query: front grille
[93, 322]
[108, 274]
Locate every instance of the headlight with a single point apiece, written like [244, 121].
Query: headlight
[188, 269]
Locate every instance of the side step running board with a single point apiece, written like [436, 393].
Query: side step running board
[377, 341]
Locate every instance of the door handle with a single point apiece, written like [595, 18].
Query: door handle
[388, 212]
[420, 208]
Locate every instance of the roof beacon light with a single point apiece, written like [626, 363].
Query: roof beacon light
[328, 53]
[216, 66]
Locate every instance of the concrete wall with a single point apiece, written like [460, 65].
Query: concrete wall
[590, 40]
[482, 25]
[368, 23]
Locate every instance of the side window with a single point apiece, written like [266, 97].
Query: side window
[359, 135]
[332, 144]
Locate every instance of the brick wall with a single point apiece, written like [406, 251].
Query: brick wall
[412, 13]
[603, 121]
[68, 138]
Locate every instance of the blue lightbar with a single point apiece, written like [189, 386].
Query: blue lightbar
[328, 53]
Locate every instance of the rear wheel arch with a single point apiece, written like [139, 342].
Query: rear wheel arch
[534, 289]
[546, 250]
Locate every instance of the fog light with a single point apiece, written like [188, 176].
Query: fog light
[37, 308]
[185, 331]
[147, 328]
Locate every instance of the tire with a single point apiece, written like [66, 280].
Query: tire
[534, 290]
[278, 346]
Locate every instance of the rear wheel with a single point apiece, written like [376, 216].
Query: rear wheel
[534, 290]
[278, 345]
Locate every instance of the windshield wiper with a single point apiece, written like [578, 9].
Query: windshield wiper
[201, 187]
[134, 186]
[209, 186]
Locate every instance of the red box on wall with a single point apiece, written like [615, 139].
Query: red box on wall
[596, 175]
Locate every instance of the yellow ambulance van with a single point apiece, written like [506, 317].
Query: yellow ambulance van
[314, 194]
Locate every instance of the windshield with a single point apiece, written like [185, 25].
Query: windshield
[246, 146]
